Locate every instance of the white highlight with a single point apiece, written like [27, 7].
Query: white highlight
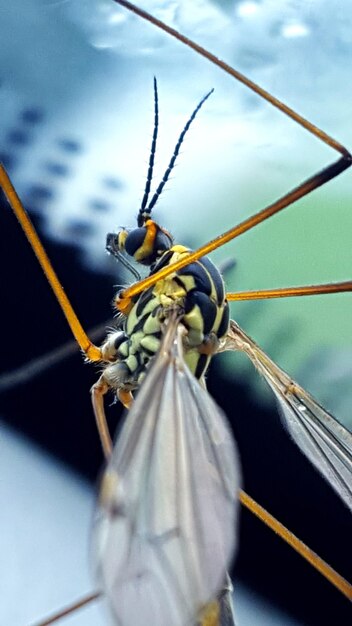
[295, 29]
[246, 9]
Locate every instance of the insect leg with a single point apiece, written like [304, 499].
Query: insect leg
[318, 132]
[225, 598]
[315, 181]
[319, 564]
[72, 608]
[287, 292]
[35, 367]
[112, 377]
[98, 391]
[92, 352]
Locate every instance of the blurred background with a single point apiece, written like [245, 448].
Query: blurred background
[76, 97]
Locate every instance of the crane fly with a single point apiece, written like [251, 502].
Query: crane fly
[327, 444]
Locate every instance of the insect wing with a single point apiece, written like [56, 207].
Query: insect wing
[326, 443]
[227, 613]
[166, 524]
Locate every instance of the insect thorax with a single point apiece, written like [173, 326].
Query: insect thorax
[197, 291]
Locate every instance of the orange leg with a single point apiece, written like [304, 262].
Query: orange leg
[288, 292]
[91, 351]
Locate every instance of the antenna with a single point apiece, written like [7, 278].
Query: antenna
[174, 156]
[152, 152]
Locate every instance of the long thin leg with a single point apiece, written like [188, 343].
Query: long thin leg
[94, 353]
[91, 351]
[98, 391]
[33, 368]
[321, 566]
[318, 132]
[68, 610]
[123, 302]
[36, 366]
[288, 292]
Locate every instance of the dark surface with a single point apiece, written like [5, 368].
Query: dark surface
[54, 410]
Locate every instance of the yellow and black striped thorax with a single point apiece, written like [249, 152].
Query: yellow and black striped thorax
[198, 291]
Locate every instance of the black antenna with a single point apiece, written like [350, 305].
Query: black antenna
[152, 150]
[175, 154]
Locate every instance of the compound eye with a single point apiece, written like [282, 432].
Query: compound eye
[135, 240]
[162, 242]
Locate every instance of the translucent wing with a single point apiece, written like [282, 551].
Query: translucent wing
[227, 614]
[326, 443]
[165, 528]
